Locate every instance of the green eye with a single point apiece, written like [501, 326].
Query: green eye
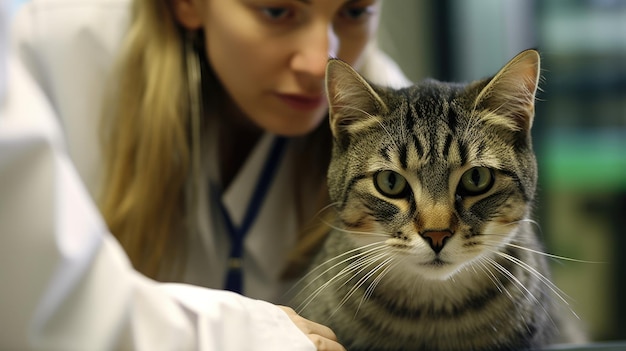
[390, 184]
[476, 181]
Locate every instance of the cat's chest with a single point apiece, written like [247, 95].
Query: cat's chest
[391, 306]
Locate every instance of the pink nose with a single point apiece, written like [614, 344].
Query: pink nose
[436, 238]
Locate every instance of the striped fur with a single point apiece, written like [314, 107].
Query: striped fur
[437, 264]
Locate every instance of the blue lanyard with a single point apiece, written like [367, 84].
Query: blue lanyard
[234, 276]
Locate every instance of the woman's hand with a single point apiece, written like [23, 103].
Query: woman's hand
[322, 336]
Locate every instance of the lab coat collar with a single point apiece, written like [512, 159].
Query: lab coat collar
[237, 196]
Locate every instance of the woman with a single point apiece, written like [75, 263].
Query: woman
[200, 127]
[66, 284]
[179, 172]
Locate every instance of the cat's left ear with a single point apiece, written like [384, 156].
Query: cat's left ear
[511, 92]
[353, 103]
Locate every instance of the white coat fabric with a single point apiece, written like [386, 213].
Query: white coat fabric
[66, 283]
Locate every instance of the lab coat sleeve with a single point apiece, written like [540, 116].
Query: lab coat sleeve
[66, 283]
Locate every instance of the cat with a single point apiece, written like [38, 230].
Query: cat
[433, 246]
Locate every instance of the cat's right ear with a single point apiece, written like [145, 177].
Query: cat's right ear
[511, 92]
[353, 103]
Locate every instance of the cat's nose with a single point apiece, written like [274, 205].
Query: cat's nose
[436, 238]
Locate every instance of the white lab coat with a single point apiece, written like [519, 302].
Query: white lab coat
[65, 281]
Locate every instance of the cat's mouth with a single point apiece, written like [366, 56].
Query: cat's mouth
[437, 262]
[437, 269]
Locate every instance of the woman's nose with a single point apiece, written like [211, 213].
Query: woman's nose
[313, 52]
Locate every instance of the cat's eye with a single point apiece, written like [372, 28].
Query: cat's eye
[390, 184]
[476, 181]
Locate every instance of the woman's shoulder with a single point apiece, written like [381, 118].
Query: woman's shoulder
[69, 48]
[58, 20]
[50, 36]
[47, 5]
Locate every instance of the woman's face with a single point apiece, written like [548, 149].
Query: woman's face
[271, 55]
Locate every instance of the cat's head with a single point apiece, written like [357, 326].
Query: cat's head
[442, 173]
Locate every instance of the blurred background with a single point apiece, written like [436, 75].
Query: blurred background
[579, 130]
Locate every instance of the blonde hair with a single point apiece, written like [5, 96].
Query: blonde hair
[147, 149]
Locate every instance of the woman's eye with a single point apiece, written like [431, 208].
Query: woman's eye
[476, 181]
[390, 184]
[355, 13]
[276, 13]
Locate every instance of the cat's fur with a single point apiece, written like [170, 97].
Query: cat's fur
[449, 261]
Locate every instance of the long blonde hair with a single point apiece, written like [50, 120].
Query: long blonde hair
[147, 149]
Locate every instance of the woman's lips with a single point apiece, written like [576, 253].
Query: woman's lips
[303, 102]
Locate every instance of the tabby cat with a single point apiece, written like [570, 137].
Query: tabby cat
[433, 247]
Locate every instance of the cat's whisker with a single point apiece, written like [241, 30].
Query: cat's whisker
[373, 247]
[309, 299]
[493, 278]
[560, 294]
[325, 208]
[358, 266]
[531, 221]
[531, 270]
[357, 232]
[558, 257]
[520, 286]
[514, 281]
[498, 235]
[555, 289]
[553, 256]
[371, 287]
[363, 259]
[390, 264]
[365, 262]
[523, 220]
[333, 226]
[511, 277]
[363, 279]
[500, 285]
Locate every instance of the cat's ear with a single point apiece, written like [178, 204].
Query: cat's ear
[511, 92]
[353, 103]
